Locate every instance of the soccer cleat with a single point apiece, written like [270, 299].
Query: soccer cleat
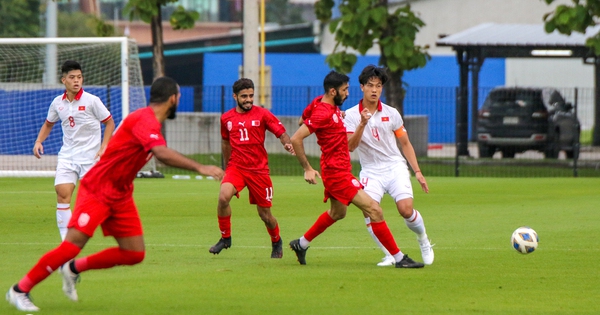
[387, 261]
[300, 252]
[406, 262]
[69, 280]
[21, 301]
[277, 251]
[224, 242]
[426, 251]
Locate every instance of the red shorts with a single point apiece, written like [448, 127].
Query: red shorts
[259, 185]
[340, 185]
[119, 218]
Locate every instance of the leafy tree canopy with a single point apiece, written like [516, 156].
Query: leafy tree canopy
[575, 18]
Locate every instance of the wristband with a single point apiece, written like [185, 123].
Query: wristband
[419, 171]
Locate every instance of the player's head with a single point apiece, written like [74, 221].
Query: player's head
[336, 85]
[165, 90]
[72, 76]
[243, 93]
[372, 79]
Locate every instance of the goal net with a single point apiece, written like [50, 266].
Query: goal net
[30, 79]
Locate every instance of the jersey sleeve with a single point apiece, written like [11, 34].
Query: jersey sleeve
[52, 116]
[224, 130]
[148, 134]
[317, 120]
[398, 124]
[100, 111]
[351, 120]
[273, 124]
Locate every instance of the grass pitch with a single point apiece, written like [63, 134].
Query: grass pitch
[469, 219]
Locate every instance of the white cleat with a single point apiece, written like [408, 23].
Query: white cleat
[387, 261]
[426, 251]
[69, 280]
[21, 301]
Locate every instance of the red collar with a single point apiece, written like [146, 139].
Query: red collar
[360, 106]
[77, 96]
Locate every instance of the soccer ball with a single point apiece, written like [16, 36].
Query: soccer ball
[524, 240]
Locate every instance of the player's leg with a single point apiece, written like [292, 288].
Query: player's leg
[375, 190]
[260, 190]
[226, 193]
[64, 185]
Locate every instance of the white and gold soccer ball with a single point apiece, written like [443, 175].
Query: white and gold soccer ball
[524, 240]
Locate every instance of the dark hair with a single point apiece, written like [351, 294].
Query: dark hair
[372, 71]
[162, 88]
[70, 65]
[334, 80]
[242, 84]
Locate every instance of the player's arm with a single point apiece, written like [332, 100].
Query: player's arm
[173, 158]
[354, 138]
[287, 143]
[411, 157]
[297, 140]
[109, 128]
[226, 150]
[38, 148]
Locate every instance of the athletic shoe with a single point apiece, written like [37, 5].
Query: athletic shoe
[224, 242]
[300, 252]
[277, 251]
[387, 261]
[69, 280]
[21, 301]
[426, 251]
[406, 262]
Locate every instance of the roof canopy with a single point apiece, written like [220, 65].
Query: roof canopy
[519, 40]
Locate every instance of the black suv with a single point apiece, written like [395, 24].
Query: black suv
[514, 120]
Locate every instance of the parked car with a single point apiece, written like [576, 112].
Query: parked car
[514, 120]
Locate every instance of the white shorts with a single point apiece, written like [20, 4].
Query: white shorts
[394, 181]
[69, 173]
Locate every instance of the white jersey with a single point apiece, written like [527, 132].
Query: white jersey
[80, 121]
[377, 150]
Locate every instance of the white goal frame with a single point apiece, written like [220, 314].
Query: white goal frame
[51, 66]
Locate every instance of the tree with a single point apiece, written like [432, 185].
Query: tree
[577, 18]
[364, 23]
[19, 18]
[149, 11]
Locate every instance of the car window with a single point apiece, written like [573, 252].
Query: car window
[522, 101]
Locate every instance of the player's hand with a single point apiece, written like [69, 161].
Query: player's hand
[38, 149]
[290, 148]
[100, 152]
[210, 170]
[343, 113]
[311, 176]
[422, 182]
[365, 115]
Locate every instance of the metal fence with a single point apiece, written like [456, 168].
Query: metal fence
[430, 118]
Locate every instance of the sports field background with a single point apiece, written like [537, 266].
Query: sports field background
[469, 219]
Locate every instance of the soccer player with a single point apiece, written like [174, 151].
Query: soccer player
[323, 118]
[81, 114]
[105, 198]
[373, 128]
[243, 131]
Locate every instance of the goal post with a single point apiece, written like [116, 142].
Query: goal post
[111, 71]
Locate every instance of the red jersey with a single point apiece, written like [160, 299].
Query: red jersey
[127, 152]
[246, 134]
[325, 121]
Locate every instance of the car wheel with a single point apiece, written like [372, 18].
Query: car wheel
[551, 151]
[508, 153]
[485, 151]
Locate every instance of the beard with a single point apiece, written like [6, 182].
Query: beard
[172, 113]
[241, 106]
[338, 99]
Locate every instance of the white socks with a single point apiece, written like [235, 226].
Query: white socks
[370, 230]
[63, 216]
[415, 224]
[304, 242]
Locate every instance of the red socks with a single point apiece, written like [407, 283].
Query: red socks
[108, 258]
[274, 233]
[323, 222]
[381, 230]
[225, 226]
[50, 262]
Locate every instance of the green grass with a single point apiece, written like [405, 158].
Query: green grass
[469, 219]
